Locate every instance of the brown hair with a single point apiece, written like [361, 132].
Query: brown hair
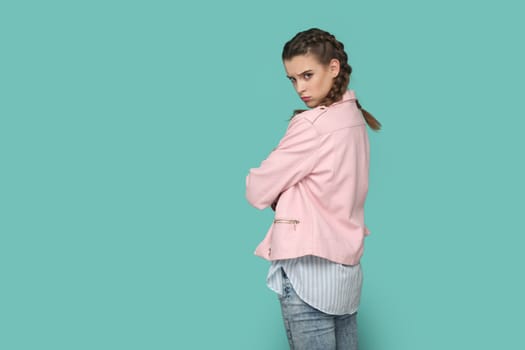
[325, 47]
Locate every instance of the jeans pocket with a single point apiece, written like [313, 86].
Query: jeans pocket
[286, 285]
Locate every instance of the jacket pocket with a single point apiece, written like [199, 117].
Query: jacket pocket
[293, 222]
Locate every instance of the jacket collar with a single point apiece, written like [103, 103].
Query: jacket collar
[347, 96]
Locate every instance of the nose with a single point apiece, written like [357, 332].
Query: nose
[300, 87]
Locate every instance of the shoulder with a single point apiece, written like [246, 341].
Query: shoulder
[310, 116]
[341, 111]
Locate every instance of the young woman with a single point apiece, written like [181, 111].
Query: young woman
[316, 181]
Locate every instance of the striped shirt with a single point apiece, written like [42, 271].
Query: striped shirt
[325, 285]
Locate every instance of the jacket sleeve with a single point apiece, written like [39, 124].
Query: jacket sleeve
[293, 159]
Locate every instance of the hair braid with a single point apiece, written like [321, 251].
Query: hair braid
[343, 78]
[326, 47]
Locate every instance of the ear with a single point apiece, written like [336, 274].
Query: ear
[334, 66]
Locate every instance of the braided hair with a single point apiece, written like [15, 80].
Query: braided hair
[325, 47]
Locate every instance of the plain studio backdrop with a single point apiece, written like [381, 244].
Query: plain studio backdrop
[127, 129]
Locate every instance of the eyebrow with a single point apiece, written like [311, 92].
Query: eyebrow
[306, 71]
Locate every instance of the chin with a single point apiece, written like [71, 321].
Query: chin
[311, 104]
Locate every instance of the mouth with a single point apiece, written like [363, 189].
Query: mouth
[306, 98]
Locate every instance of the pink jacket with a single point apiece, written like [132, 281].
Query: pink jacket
[319, 174]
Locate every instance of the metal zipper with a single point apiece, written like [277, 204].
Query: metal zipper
[286, 221]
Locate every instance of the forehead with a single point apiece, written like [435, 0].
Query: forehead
[299, 64]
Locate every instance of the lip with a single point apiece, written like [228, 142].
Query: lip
[306, 98]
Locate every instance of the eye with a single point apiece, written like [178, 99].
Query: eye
[307, 76]
[292, 80]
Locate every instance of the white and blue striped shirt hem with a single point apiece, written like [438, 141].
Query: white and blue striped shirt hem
[325, 285]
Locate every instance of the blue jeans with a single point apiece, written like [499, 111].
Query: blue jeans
[310, 329]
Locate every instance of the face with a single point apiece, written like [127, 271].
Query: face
[311, 79]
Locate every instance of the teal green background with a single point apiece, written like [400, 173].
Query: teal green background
[127, 129]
